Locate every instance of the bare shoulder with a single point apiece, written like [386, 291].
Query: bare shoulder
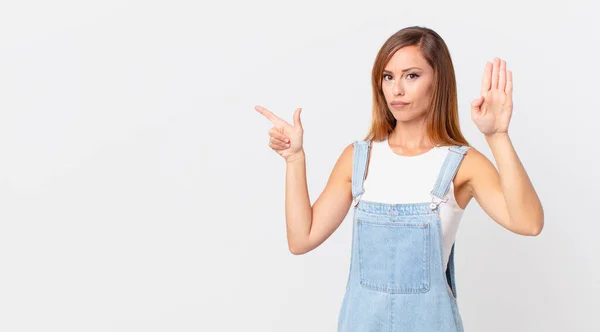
[474, 158]
[343, 167]
[474, 166]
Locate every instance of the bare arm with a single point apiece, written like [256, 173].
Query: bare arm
[507, 195]
[308, 227]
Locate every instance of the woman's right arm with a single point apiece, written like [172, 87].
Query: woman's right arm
[308, 227]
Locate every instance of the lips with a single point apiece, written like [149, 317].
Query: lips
[398, 104]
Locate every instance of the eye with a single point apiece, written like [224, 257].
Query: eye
[415, 75]
[386, 75]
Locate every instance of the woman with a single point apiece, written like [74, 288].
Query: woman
[409, 182]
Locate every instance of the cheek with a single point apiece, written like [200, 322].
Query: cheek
[421, 94]
[387, 91]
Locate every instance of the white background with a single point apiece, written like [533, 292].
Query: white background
[138, 191]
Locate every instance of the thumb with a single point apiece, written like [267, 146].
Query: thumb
[297, 122]
[476, 104]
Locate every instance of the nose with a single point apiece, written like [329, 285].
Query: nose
[398, 89]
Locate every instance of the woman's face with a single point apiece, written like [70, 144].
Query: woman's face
[406, 84]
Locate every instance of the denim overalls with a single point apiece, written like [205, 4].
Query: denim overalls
[397, 282]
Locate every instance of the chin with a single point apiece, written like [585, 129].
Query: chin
[404, 116]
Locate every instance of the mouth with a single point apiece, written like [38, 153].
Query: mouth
[398, 105]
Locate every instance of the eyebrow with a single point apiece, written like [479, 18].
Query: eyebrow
[403, 70]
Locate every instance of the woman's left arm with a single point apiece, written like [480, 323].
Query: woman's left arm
[506, 195]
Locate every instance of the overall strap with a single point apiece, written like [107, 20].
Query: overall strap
[449, 169]
[447, 173]
[359, 168]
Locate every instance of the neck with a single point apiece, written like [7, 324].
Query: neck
[411, 136]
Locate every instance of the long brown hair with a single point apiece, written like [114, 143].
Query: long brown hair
[442, 123]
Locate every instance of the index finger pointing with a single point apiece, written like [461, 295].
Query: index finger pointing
[268, 114]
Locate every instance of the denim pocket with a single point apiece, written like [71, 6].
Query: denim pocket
[394, 256]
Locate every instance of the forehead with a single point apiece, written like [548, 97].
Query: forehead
[407, 56]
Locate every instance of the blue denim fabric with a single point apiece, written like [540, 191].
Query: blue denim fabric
[397, 281]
